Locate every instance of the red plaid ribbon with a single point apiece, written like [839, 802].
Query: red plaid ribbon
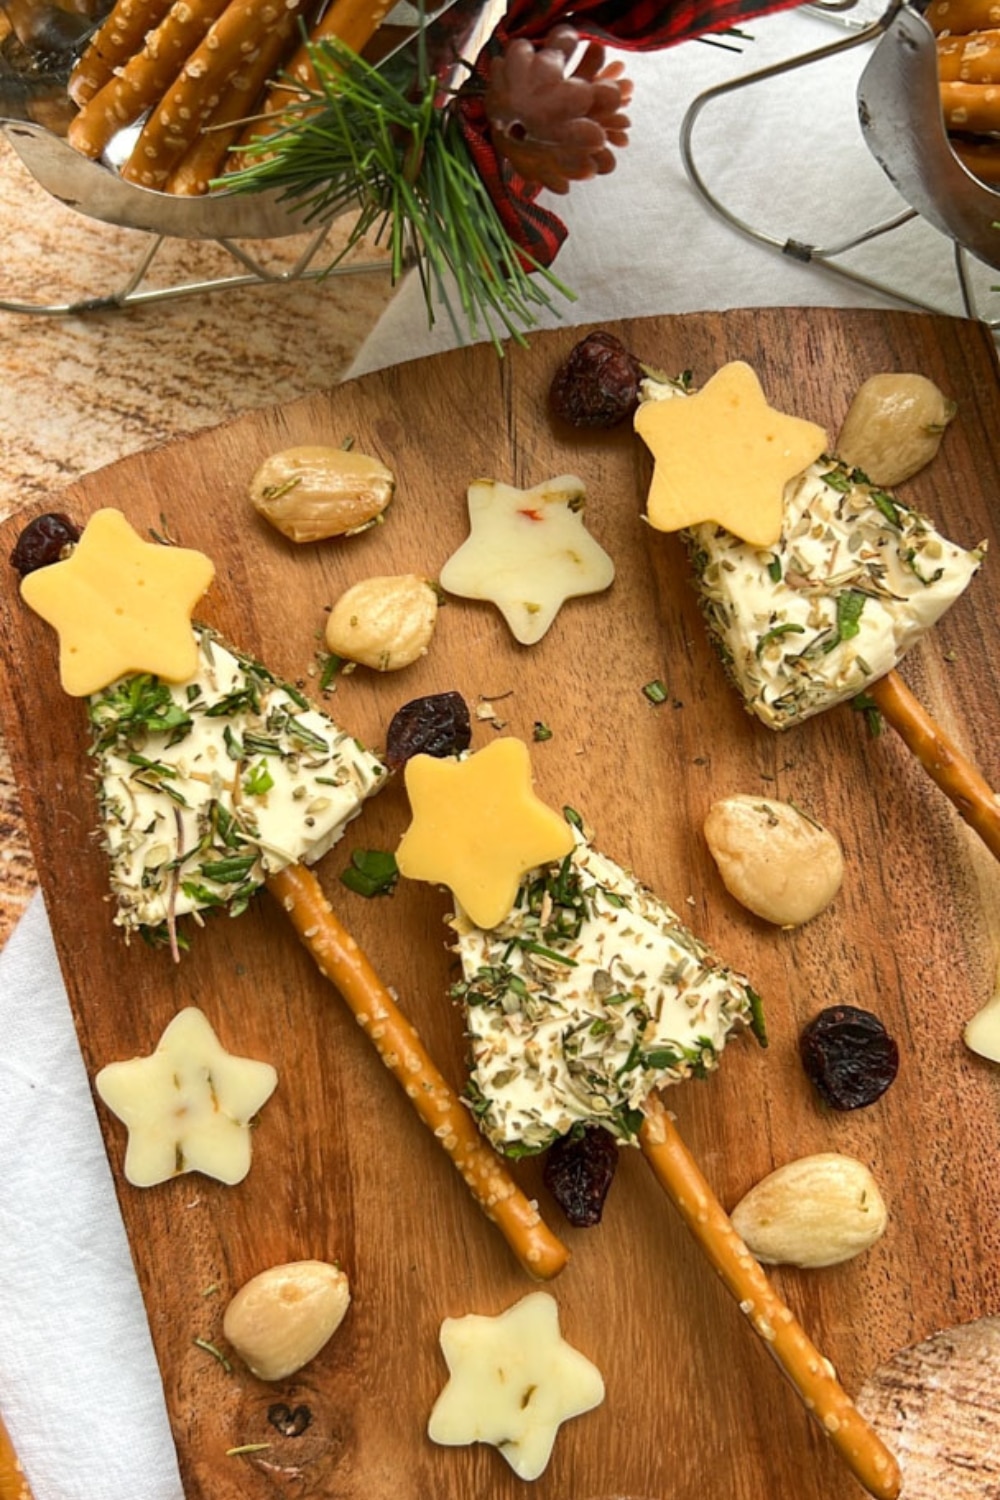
[643, 27]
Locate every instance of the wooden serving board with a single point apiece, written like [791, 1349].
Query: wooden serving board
[341, 1169]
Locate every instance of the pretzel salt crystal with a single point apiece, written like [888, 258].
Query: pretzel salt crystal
[340, 960]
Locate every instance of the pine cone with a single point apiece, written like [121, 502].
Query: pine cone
[554, 126]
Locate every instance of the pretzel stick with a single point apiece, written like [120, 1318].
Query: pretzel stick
[982, 158]
[340, 960]
[812, 1376]
[969, 59]
[206, 157]
[971, 106]
[962, 16]
[231, 43]
[941, 758]
[140, 84]
[120, 37]
[13, 1482]
[353, 22]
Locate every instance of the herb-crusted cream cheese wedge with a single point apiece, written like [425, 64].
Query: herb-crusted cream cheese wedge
[588, 996]
[855, 580]
[208, 786]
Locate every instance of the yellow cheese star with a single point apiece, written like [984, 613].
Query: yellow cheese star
[513, 1381]
[120, 605]
[478, 827]
[724, 455]
[527, 552]
[188, 1105]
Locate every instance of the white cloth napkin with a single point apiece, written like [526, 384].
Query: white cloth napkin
[79, 1386]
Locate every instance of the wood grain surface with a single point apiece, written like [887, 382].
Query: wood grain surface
[341, 1168]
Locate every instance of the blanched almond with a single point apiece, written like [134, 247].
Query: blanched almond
[280, 1319]
[384, 622]
[313, 492]
[777, 861]
[814, 1211]
[894, 427]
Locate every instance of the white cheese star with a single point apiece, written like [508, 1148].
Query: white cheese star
[188, 1105]
[527, 552]
[514, 1381]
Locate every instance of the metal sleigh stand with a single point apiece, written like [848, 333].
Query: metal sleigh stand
[901, 121]
[248, 227]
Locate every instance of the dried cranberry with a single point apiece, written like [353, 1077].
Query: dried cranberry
[437, 725]
[578, 1172]
[849, 1056]
[43, 542]
[598, 385]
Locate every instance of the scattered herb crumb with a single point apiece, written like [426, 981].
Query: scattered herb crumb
[211, 1349]
[655, 691]
[541, 732]
[865, 704]
[330, 666]
[372, 872]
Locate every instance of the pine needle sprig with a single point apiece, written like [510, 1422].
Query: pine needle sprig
[360, 141]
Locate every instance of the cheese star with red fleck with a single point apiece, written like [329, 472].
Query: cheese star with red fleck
[724, 455]
[120, 605]
[478, 827]
[527, 552]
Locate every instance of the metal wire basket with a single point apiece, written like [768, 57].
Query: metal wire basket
[902, 124]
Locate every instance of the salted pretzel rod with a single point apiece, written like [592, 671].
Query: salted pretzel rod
[353, 22]
[969, 59]
[863, 1451]
[974, 107]
[341, 961]
[960, 16]
[941, 758]
[142, 81]
[13, 1480]
[206, 158]
[231, 43]
[118, 39]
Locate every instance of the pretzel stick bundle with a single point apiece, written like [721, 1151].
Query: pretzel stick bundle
[340, 960]
[231, 44]
[771, 1319]
[981, 158]
[13, 1481]
[353, 22]
[974, 58]
[140, 84]
[205, 159]
[120, 37]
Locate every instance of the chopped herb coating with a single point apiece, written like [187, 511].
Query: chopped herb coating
[208, 786]
[855, 580]
[589, 995]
